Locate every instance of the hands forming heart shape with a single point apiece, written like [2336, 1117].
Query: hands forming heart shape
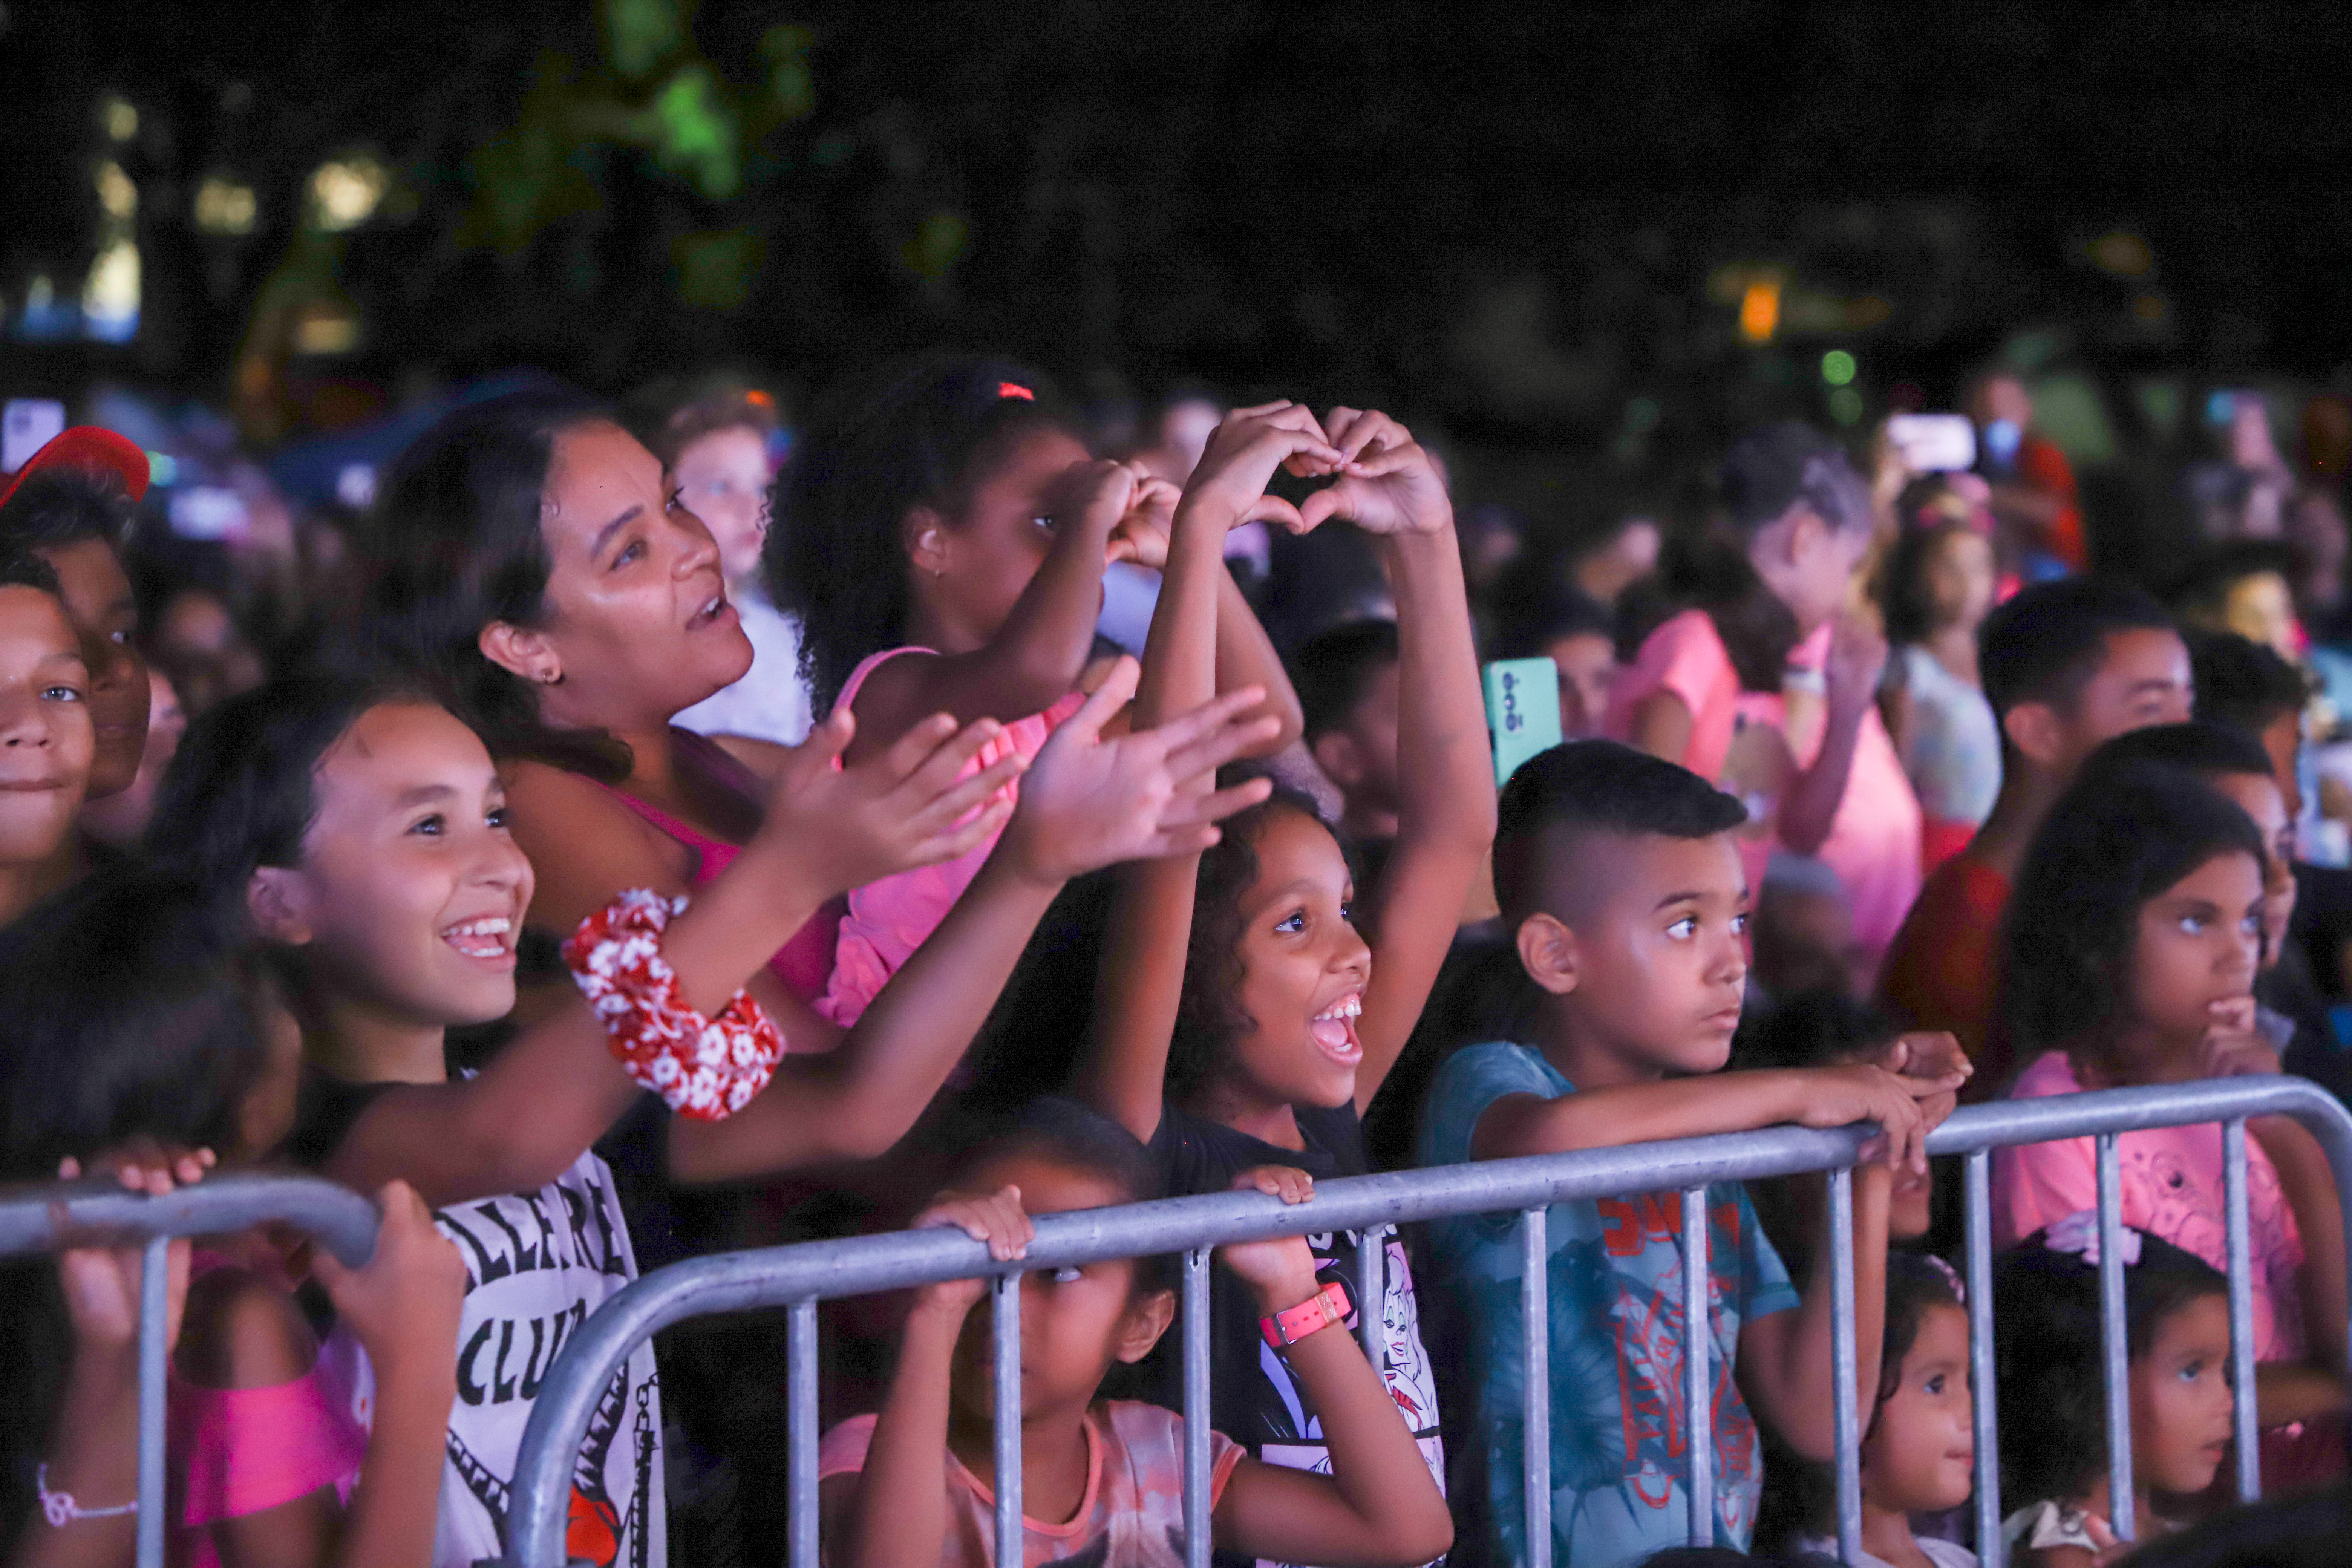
[1383, 482]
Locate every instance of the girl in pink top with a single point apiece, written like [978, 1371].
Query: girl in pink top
[154, 1025]
[941, 537]
[2134, 933]
[1705, 689]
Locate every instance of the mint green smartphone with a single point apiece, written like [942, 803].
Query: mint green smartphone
[1522, 712]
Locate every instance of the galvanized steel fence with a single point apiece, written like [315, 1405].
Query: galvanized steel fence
[99, 1213]
[799, 1277]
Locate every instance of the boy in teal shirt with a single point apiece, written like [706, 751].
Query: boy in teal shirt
[1620, 883]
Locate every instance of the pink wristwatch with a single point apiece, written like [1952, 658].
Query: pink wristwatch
[1325, 1308]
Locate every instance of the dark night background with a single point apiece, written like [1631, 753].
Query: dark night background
[1527, 222]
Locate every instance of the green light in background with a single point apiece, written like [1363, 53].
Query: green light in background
[1838, 367]
[1845, 406]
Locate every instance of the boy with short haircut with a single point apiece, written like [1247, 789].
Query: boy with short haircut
[2066, 666]
[1622, 887]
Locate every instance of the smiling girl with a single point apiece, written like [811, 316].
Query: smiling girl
[365, 829]
[1244, 1022]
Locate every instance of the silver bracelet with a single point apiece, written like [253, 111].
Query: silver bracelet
[60, 1508]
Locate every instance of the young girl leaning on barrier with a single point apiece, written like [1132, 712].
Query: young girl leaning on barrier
[137, 1019]
[2047, 1357]
[1102, 1480]
[364, 829]
[1245, 1024]
[2134, 936]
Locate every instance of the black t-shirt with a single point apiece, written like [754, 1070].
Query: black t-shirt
[1253, 1398]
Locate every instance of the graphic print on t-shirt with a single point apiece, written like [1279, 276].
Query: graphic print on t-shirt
[1403, 1362]
[537, 1265]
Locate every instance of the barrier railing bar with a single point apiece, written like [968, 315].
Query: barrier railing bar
[1535, 1418]
[1844, 1371]
[1977, 1211]
[1371, 1288]
[1011, 1546]
[2241, 1309]
[1698, 1356]
[857, 1266]
[801, 1433]
[98, 1211]
[1197, 1525]
[154, 1320]
[2114, 1344]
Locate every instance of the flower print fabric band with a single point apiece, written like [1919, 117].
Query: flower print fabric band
[702, 1066]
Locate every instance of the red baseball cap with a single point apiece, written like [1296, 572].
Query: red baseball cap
[91, 449]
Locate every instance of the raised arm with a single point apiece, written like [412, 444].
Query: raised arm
[1087, 803]
[553, 1090]
[1033, 661]
[1857, 656]
[1445, 820]
[1121, 1072]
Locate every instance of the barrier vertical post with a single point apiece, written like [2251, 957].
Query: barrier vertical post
[2114, 1342]
[1992, 1550]
[1535, 1424]
[1010, 1545]
[1843, 1364]
[154, 1351]
[800, 1427]
[1371, 1289]
[2242, 1308]
[1196, 1408]
[1698, 1383]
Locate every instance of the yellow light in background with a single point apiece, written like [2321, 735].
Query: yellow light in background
[118, 118]
[346, 190]
[225, 206]
[1838, 367]
[2123, 253]
[116, 194]
[1760, 310]
[110, 299]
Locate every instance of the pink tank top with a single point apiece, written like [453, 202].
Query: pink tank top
[241, 1451]
[888, 919]
[802, 964]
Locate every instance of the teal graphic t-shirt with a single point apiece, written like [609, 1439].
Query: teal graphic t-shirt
[1620, 1449]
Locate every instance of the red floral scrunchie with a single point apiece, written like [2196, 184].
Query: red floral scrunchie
[702, 1066]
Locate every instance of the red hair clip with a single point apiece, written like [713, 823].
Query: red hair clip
[1015, 389]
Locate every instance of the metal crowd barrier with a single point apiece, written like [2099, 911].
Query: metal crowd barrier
[801, 1276]
[98, 1211]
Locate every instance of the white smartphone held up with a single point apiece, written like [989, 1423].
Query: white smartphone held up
[1934, 443]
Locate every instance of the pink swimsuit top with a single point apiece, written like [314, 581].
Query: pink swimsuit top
[802, 964]
[240, 1451]
[888, 919]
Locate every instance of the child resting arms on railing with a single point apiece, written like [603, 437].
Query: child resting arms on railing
[1623, 886]
[1102, 1480]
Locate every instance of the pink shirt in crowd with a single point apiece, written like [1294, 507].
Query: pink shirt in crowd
[1875, 838]
[1874, 841]
[2171, 1188]
[241, 1451]
[888, 919]
[1132, 1515]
